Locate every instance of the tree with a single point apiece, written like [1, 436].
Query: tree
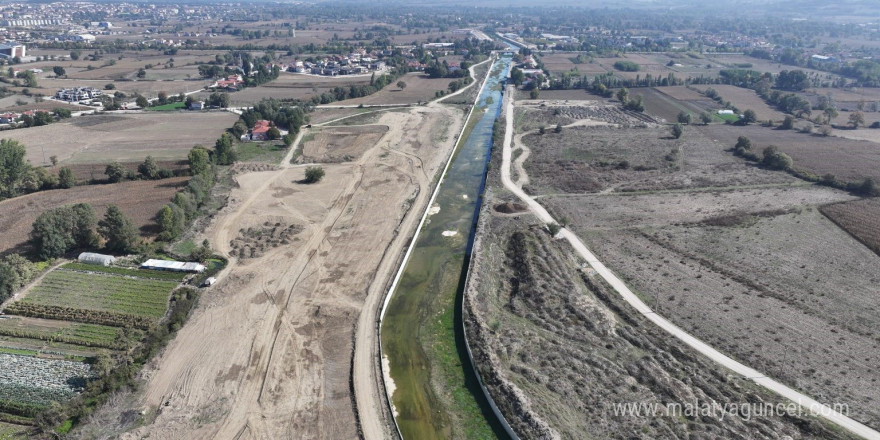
[517, 76]
[199, 161]
[202, 253]
[142, 102]
[287, 139]
[775, 159]
[59, 230]
[149, 169]
[744, 143]
[274, 133]
[66, 178]
[115, 172]
[623, 95]
[542, 130]
[141, 73]
[163, 98]
[314, 174]
[830, 114]
[677, 131]
[224, 151]
[787, 123]
[856, 119]
[684, 118]
[15, 272]
[62, 113]
[13, 167]
[118, 231]
[534, 93]
[59, 71]
[401, 85]
[558, 128]
[749, 117]
[705, 118]
[826, 130]
[53, 159]
[74, 55]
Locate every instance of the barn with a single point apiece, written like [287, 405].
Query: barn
[93, 258]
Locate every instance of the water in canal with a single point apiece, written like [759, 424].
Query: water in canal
[436, 393]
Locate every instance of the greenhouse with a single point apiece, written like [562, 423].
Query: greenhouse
[93, 258]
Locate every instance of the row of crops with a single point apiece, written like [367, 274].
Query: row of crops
[86, 335]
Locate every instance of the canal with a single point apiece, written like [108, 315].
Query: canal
[435, 393]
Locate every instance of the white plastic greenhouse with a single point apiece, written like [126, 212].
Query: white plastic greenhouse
[93, 258]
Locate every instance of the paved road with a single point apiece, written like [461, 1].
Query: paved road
[804, 401]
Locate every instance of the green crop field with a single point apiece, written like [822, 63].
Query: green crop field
[168, 107]
[99, 298]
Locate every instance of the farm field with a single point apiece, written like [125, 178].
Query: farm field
[847, 159]
[573, 95]
[97, 298]
[149, 89]
[140, 200]
[419, 88]
[561, 62]
[124, 138]
[88, 172]
[762, 65]
[745, 99]
[861, 218]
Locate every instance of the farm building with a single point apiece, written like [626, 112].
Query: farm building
[174, 266]
[93, 258]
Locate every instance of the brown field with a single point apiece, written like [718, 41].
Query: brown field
[574, 95]
[45, 105]
[661, 104]
[322, 115]
[847, 159]
[341, 144]
[588, 159]
[561, 63]
[861, 218]
[123, 137]
[293, 86]
[419, 88]
[140, 200]
[760, 65]
[147, 88]
[745, 99]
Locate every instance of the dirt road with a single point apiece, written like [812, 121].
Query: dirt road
[620, 287]
[268, 352]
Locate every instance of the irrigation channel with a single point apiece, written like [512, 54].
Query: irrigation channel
[436, 394]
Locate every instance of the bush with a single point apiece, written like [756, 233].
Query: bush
[626, 66]
[775, 159]
[314, 174]
[553, 229]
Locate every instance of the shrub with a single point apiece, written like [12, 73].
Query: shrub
[314, 174]
[775, 159]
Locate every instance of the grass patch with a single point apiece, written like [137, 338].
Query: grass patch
[168, 107]
[261, 152]
[184, 248]
[731, 118]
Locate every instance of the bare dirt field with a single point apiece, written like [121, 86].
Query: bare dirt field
[140, 200]
[341, 144]
[847, 159]
[268, 352]
[861, 218]
[121, 137]
[45, 105]
[562, 62]
[745, 99]
[419, 88]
